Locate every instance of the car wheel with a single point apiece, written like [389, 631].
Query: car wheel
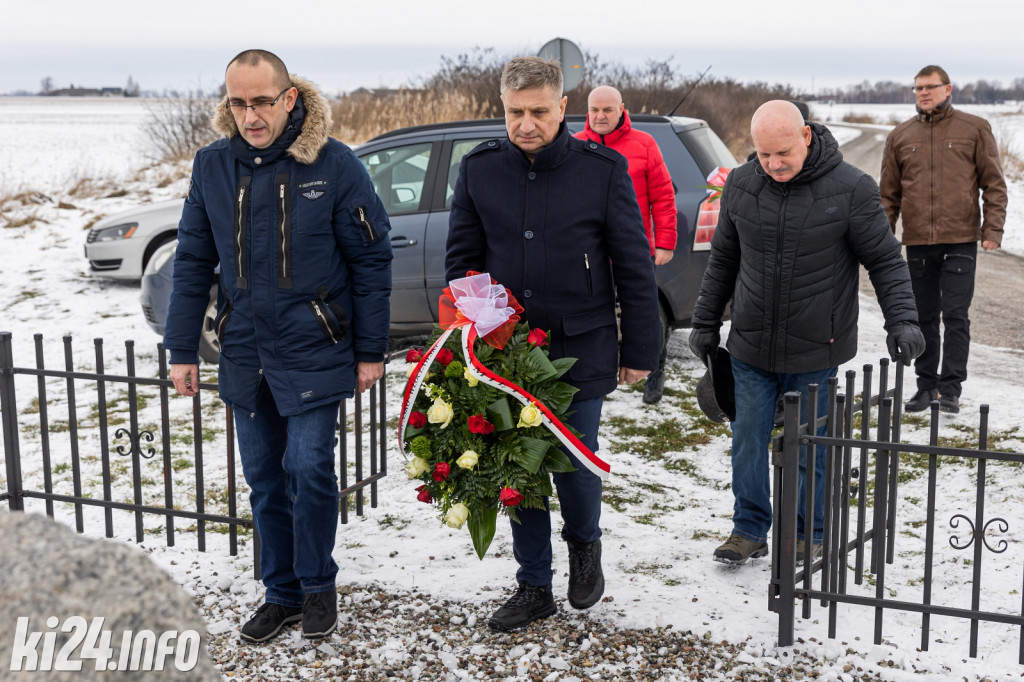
[209, 345]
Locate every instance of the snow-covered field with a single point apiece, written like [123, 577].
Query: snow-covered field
[667, 506]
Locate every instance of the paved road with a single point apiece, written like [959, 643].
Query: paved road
[997, 313]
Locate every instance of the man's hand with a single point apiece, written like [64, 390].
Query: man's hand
[702, 341]
[631, 376]
[186, 379]
[662, 256]
[905, 337]
[989, 245]
[368, 373]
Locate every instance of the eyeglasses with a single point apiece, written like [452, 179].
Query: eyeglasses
[922, 88]
[260, 107]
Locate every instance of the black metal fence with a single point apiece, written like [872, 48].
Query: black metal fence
[860, 523]
[118, 451]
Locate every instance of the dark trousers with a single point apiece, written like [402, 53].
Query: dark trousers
[943, 280]
[579, 497]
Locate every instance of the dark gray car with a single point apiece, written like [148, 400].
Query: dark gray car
[414, 171]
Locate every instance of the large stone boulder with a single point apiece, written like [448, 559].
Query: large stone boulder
[52, 579]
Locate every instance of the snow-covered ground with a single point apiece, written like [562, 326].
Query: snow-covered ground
[664, 515]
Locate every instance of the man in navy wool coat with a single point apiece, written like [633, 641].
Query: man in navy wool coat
[555, 219]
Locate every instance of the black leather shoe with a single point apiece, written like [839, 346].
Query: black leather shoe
[949, 404]
[268, 621]
[529, 603]
[921, 401]
[319, 614]
[586, 579]
[655, 386]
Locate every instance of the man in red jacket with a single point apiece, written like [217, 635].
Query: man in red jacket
[608, 123]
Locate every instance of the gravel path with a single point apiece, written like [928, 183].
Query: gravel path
[389, 635]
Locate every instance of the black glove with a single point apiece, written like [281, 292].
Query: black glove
[906, 339]
[702, 341]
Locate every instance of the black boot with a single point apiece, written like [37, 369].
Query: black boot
[655, 386]
[529, 603]
[586, 580]
[921, 401]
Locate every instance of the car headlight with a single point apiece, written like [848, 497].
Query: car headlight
[108, 234]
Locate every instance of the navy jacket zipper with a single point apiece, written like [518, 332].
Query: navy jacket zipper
[241, 221]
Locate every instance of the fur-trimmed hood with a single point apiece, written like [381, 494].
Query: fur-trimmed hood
[316, 127]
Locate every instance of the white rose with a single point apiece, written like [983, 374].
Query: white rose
[468, 459]
[416, 466]
[440, 413]
[530, 416]
[457, 515]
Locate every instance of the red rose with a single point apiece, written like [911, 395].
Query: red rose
[444, 356]
[417, 420]
[510, 497]
[414, 355]
[537, 337]
[477, 424]
[424, 494]
[441, 471]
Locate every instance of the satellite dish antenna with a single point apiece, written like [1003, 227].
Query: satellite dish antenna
[569, 56]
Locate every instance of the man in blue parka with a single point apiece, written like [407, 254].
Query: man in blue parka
[301, 238]
[555, 219]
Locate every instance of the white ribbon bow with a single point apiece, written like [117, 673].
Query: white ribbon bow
[484, 303]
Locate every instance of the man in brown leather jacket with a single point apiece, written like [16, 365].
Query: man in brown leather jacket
[933, 168]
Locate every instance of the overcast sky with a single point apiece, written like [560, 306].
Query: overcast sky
[341, 45]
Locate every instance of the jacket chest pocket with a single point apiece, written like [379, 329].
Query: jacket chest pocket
[302, 225]
[911, 155]
[311, 248]
[959, 147]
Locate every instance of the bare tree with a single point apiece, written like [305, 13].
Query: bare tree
[179, 127]
[46, 85]
[131, 88]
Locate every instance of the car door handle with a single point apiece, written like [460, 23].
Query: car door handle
[399, 242]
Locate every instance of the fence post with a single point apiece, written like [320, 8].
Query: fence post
[9, 407]
[786, 533]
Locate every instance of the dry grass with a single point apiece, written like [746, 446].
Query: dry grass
[1011, 156]
[22, 218]
[20, 209]
[855, 117]
[84, 186]
[466, 87]
[360, 117]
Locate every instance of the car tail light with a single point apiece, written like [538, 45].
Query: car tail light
[707, 221]
[707, 217]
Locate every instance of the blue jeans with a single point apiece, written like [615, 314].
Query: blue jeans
[288, 463]
[579, 497]
[757, 392]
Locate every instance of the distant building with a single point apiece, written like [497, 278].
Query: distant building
[87, 92]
